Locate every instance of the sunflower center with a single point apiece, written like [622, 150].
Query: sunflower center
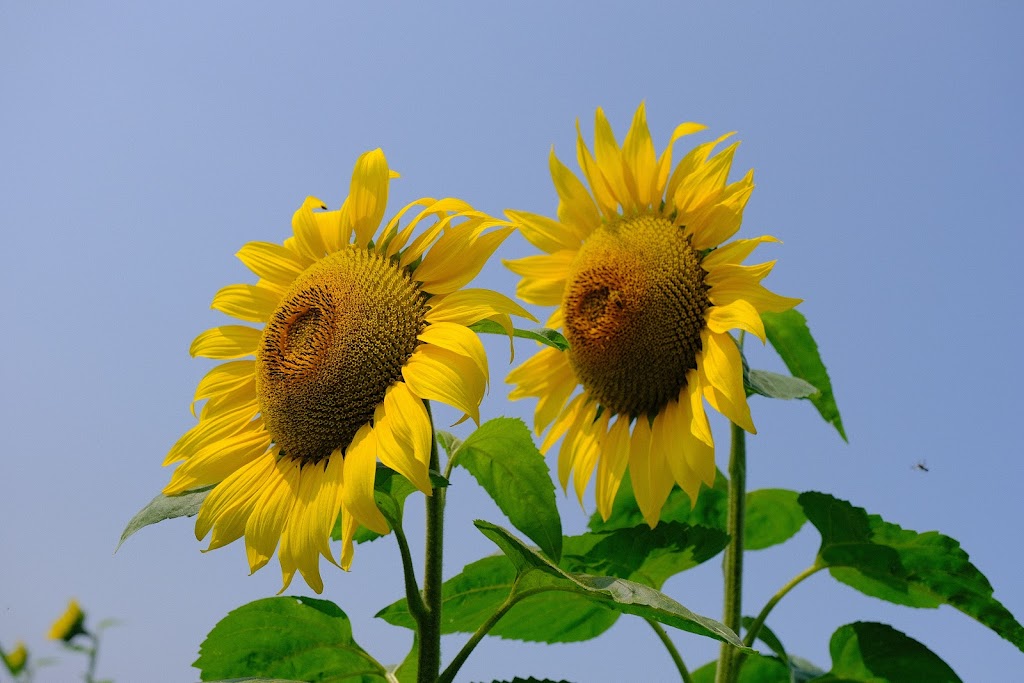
[634, 310]
[336, 342]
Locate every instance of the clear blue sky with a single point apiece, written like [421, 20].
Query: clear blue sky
[142, 145]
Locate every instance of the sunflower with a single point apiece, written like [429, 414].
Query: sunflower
[646, 295]
[69, 624]
[355, 334]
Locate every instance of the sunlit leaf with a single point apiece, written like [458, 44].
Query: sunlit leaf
[291, 638]
[789, 335]
[888, 562]
[502, 457]
[773, 516]
[756, 669]
[868, 652]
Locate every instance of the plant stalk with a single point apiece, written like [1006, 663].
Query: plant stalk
[732, 566]
[677, 659]
[430, 624]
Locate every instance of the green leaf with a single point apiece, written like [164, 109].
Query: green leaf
[531, 679]
[552, 338]
[790, 336]
[774, 385]
[773, 516]
[756, 669]
[408, 670]
[902, 566]
[165, 507]
[868, 652]
[294, 638]
[502, 457]
[449, 442]
[768, 637]
[536, 574]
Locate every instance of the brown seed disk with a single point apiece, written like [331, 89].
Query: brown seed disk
[336, 342]
[634, 310]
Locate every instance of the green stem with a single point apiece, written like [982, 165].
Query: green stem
[755, 627]
[412, 589]
[430, 624]
[677, 659]
[453, 668]
[90, 672]
[733, 563]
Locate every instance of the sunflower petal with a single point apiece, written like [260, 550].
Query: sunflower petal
[298, 548]
[640, 471]
[367, 196]
[223, 378]
[216, 461]
[576, 208]
[603, 194]
[612, 465]
[408, 426]
[576, 442]
[226, 341]
[358, 478]
[458, 339]
[735, 252]
[740, 314]
[227, 507]
[255, 303]
[437, 374]
[721, 370]
[665, 160]
[548, 376]
[308, 237]
[588, 452]
[544, 233]
[437, 208]
[458, 256]
[269, 516]
[638, 158]
[272, 262]
[468, 306]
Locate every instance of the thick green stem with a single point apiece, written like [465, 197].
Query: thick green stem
[755, 627]
[453, 668]
[430, 624]
[733, 563]
[677, 659]
[412, 589]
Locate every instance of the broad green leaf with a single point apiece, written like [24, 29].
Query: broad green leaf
[536, 573]
[790, 336]
[294, 638]
[549, 337]
[902, 566]
[774, 385]
[868, 652]
[165, 507]
[756, 669]
[502, 457]
[408, 670]
[773, 516]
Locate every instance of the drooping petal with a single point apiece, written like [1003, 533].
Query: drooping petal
[577, 442]
[740, 314]
[667, 463]
[403, 441]
[544, 233]
[458, 339]
[226, 341]
[640, 471]
[721, 370]
[299, 549]
[358, 478]
[612, 465]
[309, 240]
[563, 422]
[587, 452]
[693, 393]
[699, 454]
[227, 507]
[548, 376]
[437, 374]
[272, 262]
[271, 512]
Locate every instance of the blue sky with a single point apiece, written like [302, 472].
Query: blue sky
[143, 145]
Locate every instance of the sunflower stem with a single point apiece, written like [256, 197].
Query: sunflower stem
[453, 667]
[732, 565]
[430, 623]
[677, 659]
[755, 627]
[412, 589]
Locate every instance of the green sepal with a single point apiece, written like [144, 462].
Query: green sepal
[165, 507]
[502, 457]
[886, 561]
[789, 335]
[296, 638]
[546, 336]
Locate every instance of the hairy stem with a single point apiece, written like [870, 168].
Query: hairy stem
[728, 663]
[430, 624]
[453, 668]
[677, 659]
[755, 627]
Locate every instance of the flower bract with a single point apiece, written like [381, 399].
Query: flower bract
[357, 323]
[647, 288]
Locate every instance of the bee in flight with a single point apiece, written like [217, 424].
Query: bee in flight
[921, 465]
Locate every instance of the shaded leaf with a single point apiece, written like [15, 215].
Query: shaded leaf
[774, 385]
[165, 507]
[768, 637]
[790, 336]
[888, 562]
[548, 337]
[502, 457]
[294, 638]
[756, 669]
[868, 652]
[773, 516]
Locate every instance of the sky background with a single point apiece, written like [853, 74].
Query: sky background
[142, 145]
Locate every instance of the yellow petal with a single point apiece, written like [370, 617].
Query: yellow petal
[609, 160]
[308, 238]
[735, 252]
[367, 196]
[255, 303]
[563, 422]
[577, 442]
[638, 159]
[299, 549]
[419, 245]
[717, 222]
[640, 471]
[740, 314]
[687, 169]
[227, 401]
[544, 233]
[735, 289]
[349, 524]
[548, 376]
[227, 507]
[458, 339]
[665, 160]
[226, 341]
[705, 182]
[224, 378]
[272, 262]
[612, 465]
[458, 256]
[271, 512]
[436, 208]
[576, 208]
[699, 454]
[603, 194]
[437, 374]
[670, 436]
[213, 429]
[554, 266]
[213, 463]
[358, 477]
[468, 306]
[721, 370]
[407, 424]
[695, 396]
[587, 449]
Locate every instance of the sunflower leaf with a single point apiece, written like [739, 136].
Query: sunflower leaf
[773, 516]
[165, 507]
[888, 562]
[502, 457]
[287, 637]
[774, 385]
[768, 637]
[549, 337]
[869, 652]
[756, 669]
[790, 336]
[536, 574]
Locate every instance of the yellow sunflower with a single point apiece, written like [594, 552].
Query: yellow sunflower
[69, 624]
[646, 295]
[355, 334]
